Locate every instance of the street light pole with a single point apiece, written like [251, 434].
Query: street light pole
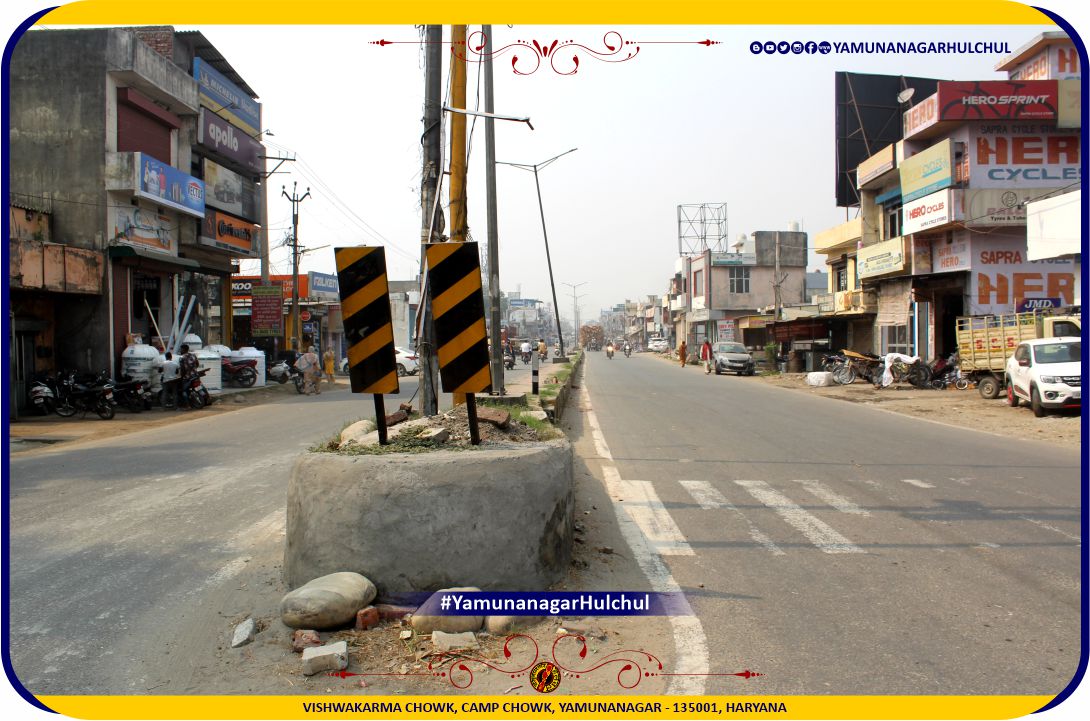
[575, 309]
[296, 200]
[548, 258]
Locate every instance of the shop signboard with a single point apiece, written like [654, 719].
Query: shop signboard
[1069, 114]
[166, 185]
[996, 206]
[139, 226]
[927, 171]
[226, 98]
[921, 116]
[229, 191]
[233, 143]
[881, 258]
[1056, 62]
[228, 233]
[324, 286]
[725, 329]
[241, 285]
[997, 100]
[266, 310]
[921, 256]
[1023, 155]
[950, 254]
[927, 212]
[1031, 304]
[1002, 278]
[881, 162]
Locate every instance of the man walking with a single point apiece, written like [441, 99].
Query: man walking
[707, 356]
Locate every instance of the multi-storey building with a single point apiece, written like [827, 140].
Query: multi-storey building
[133, 164]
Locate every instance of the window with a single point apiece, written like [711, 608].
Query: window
[895, 339]
[739, 279]
[891, 220]
[840, 273]
[698, 283]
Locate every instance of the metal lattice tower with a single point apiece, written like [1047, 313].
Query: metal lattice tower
[701, 227]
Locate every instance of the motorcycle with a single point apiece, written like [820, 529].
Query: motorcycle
[609, 351]
[526, 357]
[242, 372]
[298, 378]
[193, 391]
[628, 351]
[279, 372]
[75, 397]
[509, 361]
[132, 394]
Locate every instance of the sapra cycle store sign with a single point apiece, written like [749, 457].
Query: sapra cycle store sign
[1021, 155]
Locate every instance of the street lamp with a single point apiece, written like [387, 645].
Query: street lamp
[541, 208]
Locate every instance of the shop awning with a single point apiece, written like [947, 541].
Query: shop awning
[135, 251]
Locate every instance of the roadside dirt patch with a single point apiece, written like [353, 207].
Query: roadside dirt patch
[965, 409]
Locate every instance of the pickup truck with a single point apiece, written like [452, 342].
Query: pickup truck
[986, 341]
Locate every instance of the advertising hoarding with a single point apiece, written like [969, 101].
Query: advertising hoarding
[921, 256]
[166, 185]
[927, 171]
[1021, 155]
[951, 254]
[324, 286]
[228, 233]
[223, 96]
[228, 191]
[725, 330]
[997, 100]
[241, 285]
[929, 211]
[881, 258]
[144, 227]
[921, 116]
[1002, 276]
[995, 206]
[266, 310]
[220, 136]
[875, 165]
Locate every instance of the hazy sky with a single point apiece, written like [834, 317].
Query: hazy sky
[677, 124]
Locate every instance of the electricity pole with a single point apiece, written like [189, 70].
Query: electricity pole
[431, 216]
[493, 218]
[296, 200]
[575, 308]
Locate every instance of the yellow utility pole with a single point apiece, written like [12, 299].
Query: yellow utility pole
[458, 221]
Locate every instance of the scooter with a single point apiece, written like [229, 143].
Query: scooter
[509, 361]
[279, 372]
[241, 372]
[43, 395]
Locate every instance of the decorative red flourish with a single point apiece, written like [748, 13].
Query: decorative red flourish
[460, 675]
[623, 656]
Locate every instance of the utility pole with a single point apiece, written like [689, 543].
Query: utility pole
[296, 200]
[776, 275]
[493, 218]
[575, 309]
[431, 217]
[458, 216]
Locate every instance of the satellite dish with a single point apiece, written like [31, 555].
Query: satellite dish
[905, 95]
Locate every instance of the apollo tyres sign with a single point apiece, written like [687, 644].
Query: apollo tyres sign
[233, 143]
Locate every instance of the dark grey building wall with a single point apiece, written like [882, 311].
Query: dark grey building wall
[57, 137]
[792, 247]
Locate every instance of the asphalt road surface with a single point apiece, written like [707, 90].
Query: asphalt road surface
[840, 549]
[129, 555]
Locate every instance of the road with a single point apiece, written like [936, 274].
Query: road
[840, 549]
[129, 556]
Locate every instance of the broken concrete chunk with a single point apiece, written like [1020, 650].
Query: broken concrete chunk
[447, 624]
[396, 417]
[332, 657]
[304, 638]
[356, 431]
[436, 435]
[498, 418]
[327, 601]
[390, 612]
[367, 618]
[244, 633]
[450, 641]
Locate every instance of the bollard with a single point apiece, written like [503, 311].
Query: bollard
[533, 373]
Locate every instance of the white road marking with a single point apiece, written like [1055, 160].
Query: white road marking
[690, 643]
[820, 533]
[643, 506]
[710, 498]
[918, 484]
[1042, 524]
[824, 493]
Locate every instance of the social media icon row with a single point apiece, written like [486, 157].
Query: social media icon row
[771, 47]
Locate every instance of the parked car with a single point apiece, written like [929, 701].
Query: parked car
[1046, 373]
[733, 358]
[657, 345]
[406, 362]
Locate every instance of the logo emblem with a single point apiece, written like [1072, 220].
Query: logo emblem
[796, 48]
[755, 47]
[824, 48]
[770, 47]
[784, 47]
[811, 47]
[545, 677]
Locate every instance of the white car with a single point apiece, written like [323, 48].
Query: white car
[657, 345]
[406, 362]
[1046, 373]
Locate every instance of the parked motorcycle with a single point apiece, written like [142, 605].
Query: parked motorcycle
[242, 372]
[298, 378]
[279, 372]
[193, 391]
[43, 395]
[133, 394]
[76, 397]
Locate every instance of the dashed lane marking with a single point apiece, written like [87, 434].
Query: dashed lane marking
[817, 531]
[918, 484]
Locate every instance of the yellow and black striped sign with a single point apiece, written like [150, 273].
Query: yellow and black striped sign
[365, 307]
[457, 304]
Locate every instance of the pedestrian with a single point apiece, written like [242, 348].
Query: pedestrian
[683, 353]
[312, 372]
[170, 370]
[707, 356]
[328, 359]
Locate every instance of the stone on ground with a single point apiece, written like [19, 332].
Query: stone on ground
[304, 638]
[447, 624]
[327, 601]
[396, 417]
[332, 657]
[436, 435]
[390, 612]
[356, 431]
[498, 418]
[450, 641]
[503, 625]
[244, 633]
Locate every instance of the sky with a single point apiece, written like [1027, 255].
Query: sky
[676, 124]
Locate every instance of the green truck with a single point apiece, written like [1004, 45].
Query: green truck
[986, 341]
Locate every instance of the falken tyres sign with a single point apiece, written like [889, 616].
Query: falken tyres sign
[324, 286]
